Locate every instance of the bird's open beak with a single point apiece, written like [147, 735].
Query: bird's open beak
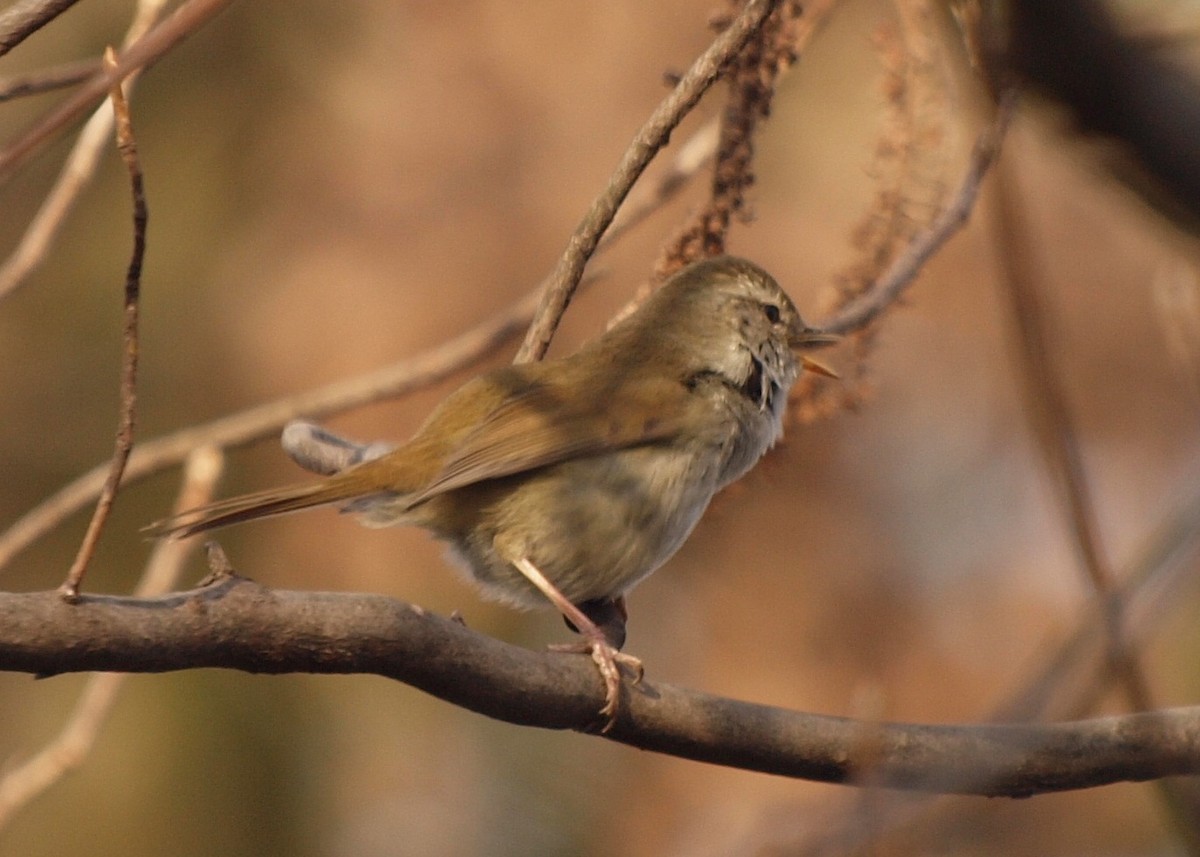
[819, 368]
[809, 338]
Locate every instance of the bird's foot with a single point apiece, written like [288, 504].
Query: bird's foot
[605, 654]
[608, 661]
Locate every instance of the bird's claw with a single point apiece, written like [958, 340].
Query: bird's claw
[608, 661]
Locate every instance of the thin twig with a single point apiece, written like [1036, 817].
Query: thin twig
[77, 172]
[184, 21]
[22, 784]
[47, 79]
[652, 136]
[127, 146]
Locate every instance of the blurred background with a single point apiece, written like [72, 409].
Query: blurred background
[334, 187]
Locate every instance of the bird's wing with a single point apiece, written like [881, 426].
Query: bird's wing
[546, 424]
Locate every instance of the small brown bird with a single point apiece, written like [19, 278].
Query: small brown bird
[571, 480]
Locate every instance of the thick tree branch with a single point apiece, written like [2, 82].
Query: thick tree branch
[234, 623]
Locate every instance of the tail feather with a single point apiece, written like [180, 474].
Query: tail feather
[249, 507]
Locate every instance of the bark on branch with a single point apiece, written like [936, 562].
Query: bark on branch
[234, 623]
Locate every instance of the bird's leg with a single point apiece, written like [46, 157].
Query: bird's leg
[604, 654]
[610, 616]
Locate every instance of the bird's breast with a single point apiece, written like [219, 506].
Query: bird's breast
[594, 526]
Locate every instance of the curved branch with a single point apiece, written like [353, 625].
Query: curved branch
[236, 624]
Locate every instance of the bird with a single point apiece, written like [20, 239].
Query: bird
[569, 481]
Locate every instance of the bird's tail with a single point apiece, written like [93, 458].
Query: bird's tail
[249, 507]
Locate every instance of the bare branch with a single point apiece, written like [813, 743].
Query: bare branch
[234, 623]
[47, 80]
[652, 136]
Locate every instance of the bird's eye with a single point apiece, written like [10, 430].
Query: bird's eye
[772, 313]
